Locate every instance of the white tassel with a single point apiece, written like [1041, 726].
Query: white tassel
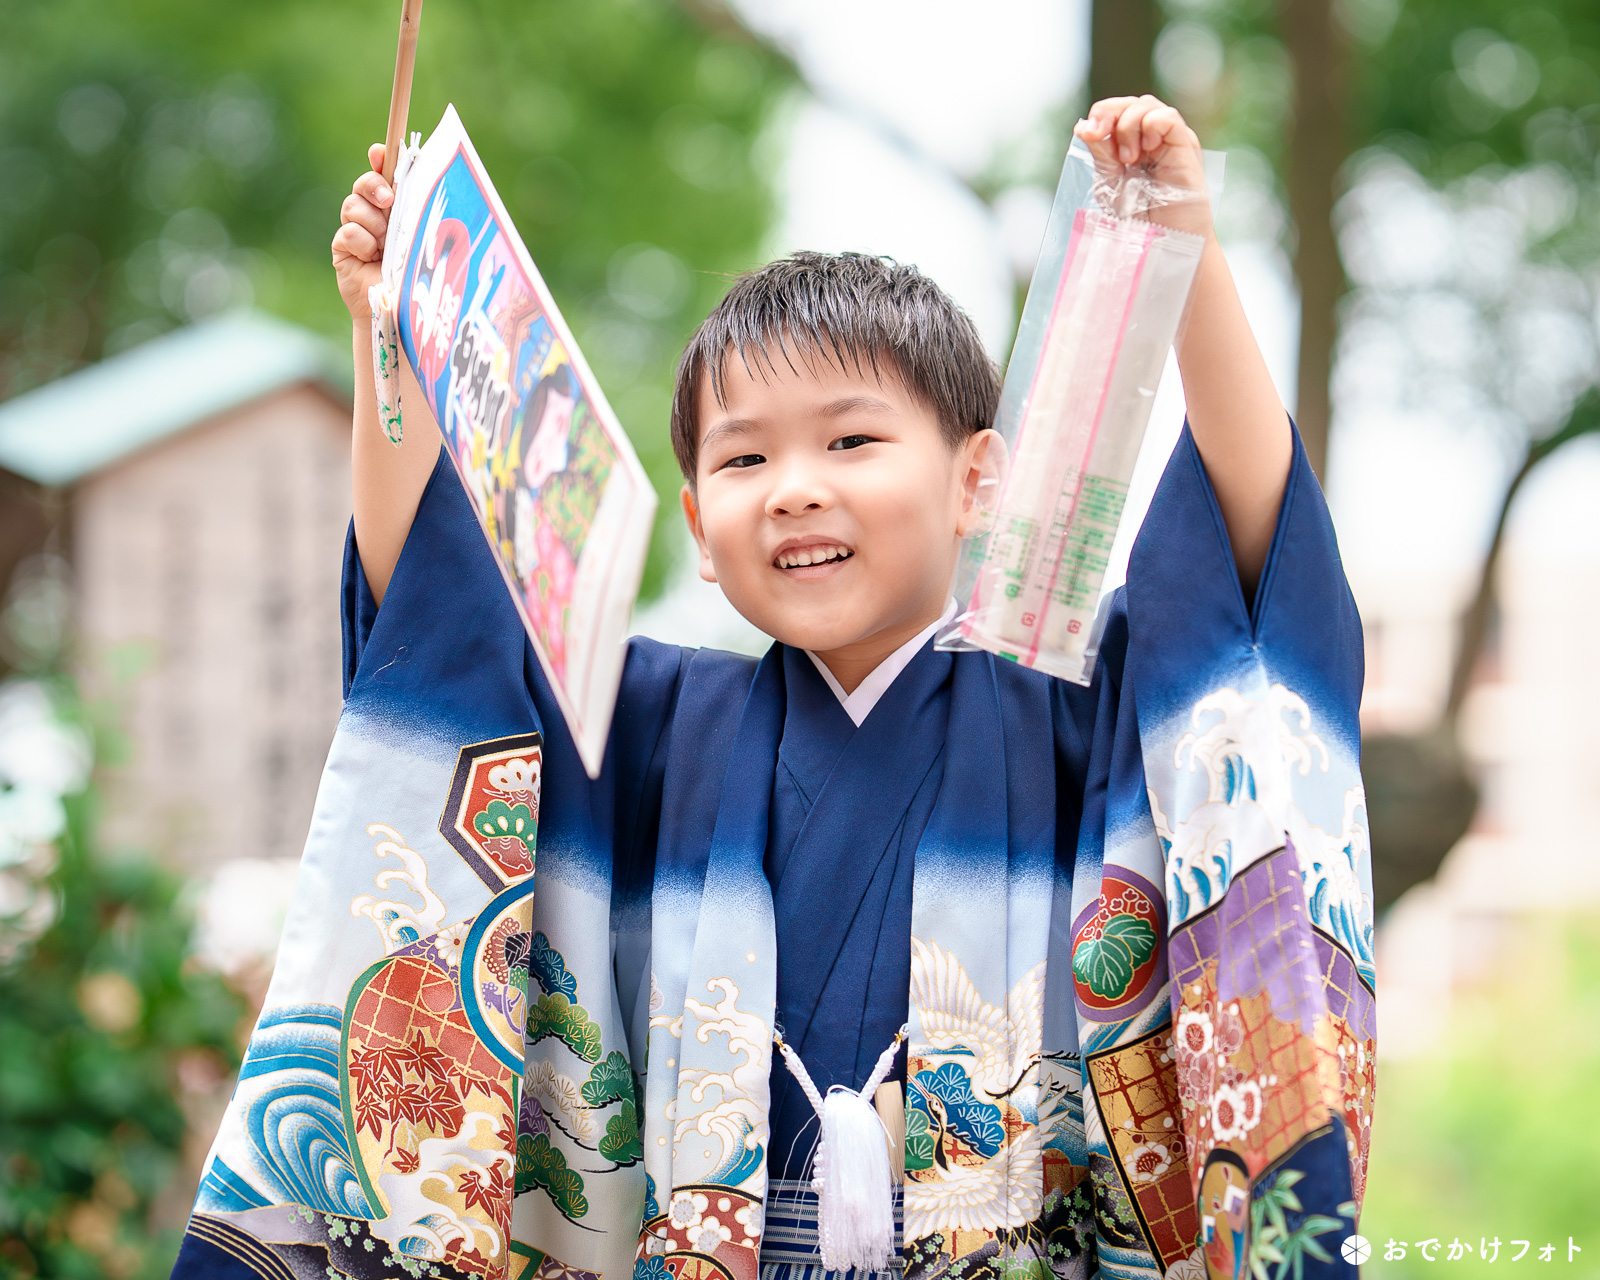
[855, 1217]
[851, 1173]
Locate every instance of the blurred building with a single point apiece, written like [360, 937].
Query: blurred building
[199, 486]
[1530, 727]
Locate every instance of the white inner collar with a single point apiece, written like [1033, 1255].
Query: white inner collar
[858, 705]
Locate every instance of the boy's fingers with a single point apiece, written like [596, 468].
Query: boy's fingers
[1103, 115]
[1162, 125]
[1159, 125]
[355, 241]
[375, 157]
[1130, 127]
[374, 189]
[1104, 151]
[355, 209]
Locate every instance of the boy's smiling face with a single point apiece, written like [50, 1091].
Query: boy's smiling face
[829, 506]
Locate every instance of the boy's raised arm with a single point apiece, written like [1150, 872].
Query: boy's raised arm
[1239, 423]
[387, 481]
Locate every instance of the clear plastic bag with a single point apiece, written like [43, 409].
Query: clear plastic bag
[1103, 309]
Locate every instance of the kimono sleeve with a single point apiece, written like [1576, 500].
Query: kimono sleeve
[449, 634]
[447, 653]
[1222, 917]
[389, 1055]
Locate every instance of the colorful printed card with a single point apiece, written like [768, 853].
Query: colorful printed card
[561, 496]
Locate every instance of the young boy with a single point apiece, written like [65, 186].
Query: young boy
[1127, 927]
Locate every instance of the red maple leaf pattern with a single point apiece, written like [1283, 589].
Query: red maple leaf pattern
[404, 1101]
[426, 1060]
[366, 1069]
[406, 1160]
[437, 1108]
[466, 1080]
[440, 1109]
[505, 1132]
[388, 1060]
[487, 1189]
[370, 1113]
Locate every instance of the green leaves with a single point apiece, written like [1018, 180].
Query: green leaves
[621, 1143]
[549, 969]
[919, 1141]
[1106, 964]
[540, 1165]
[502, 819]
[1273, 1241]
[555, 1015]
[610, 1081]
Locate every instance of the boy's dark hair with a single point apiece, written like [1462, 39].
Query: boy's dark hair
[849, 309]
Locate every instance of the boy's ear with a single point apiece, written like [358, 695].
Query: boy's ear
[691, 513]
[981, 467]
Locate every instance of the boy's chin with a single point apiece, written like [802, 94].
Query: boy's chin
[793, 628]
[797, 634]
[832, 616]
[820, 635]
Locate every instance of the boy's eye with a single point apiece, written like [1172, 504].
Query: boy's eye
[745, 460]
[851, 442]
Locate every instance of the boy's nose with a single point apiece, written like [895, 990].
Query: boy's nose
[797, 489]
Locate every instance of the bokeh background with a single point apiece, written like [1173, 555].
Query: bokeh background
[1412, 209]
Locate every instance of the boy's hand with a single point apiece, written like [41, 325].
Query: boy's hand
[1144, 136]
[358, 244]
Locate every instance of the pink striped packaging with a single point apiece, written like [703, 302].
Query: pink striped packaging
[1071, 420]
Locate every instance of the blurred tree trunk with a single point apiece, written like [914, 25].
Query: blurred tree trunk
[1316, 145]
[1421, 797]
[1122, 36]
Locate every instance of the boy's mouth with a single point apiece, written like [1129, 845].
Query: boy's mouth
[806, 557]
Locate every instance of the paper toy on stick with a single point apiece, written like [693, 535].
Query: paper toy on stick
[561, 496]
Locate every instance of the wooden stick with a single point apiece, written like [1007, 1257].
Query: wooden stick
[405, 60]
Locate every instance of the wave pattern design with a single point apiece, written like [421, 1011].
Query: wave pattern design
[288, 1100]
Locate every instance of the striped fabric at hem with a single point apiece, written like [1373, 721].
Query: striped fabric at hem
[789, 1249]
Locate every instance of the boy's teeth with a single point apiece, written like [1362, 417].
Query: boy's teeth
[811, 555]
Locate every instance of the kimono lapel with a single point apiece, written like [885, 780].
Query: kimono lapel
[858, 809]
[709, 1105]
[980, 928]
[816, 729]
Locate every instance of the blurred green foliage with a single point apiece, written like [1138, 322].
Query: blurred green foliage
[1223, 63]
[102, 1015]
[1493, 1136]
[165, 159]
[1455, 85]
[1476, 87]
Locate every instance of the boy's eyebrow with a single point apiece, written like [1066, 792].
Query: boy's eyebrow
[850, 404]
[728, 427]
